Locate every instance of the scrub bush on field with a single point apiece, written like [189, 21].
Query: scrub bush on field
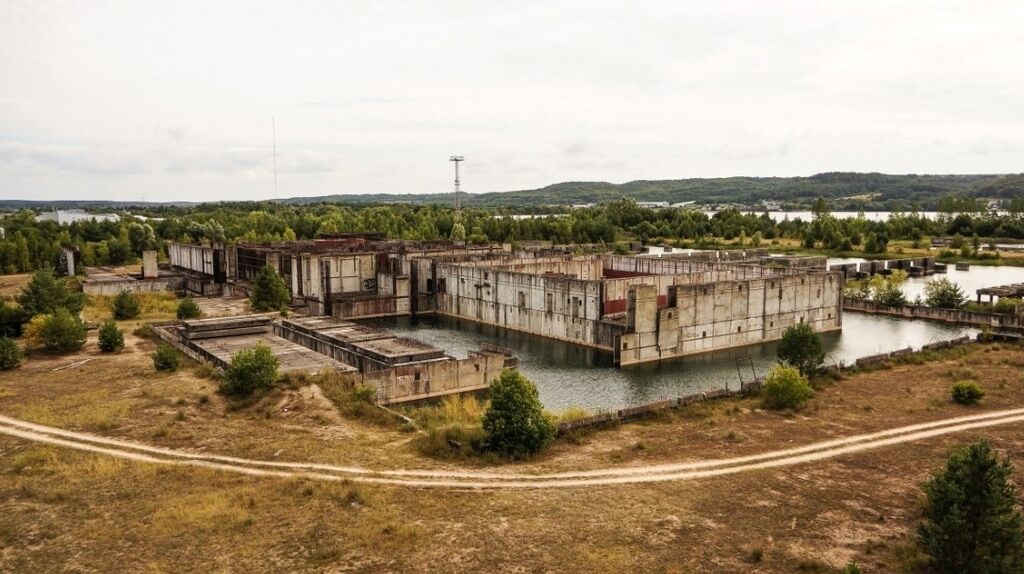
[785, 388]
[165, 358]
[62, 332]
[966, 393]
[971, 524]
[125, 306]
[188, 309]
[515, 423]
[110, 337]
[10, 354]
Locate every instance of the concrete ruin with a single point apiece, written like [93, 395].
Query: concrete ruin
[639, 309]
[399, 368]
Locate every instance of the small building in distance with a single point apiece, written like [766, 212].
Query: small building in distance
[69, 216]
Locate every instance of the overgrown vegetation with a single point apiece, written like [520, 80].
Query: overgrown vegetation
[251, 371]
[110, 337]
[60, 332]
[943, 293]
[268, 291]
[10, 354]
[165, 358]
[785, 388]
[46, 293]
[125, 305]
[188, 309]
[515, 421]
[966, 393]
[971, 524]
[801, 348]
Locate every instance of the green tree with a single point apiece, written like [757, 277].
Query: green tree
[46, 293]
[268, 292]
[188, 309]
[971, 525]
[125, 305]
[800, 347]
[10, 354]
[785, 388]
[165, 358]
[515, 421]
[944, 294]
[62, 332]
[458, 232]
[110, 337]
[253, 369]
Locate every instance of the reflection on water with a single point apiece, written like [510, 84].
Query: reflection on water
[569, 375]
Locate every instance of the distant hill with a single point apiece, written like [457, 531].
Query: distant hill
[844, 190]
[863, 190]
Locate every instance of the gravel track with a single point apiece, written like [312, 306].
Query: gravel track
[478, 480]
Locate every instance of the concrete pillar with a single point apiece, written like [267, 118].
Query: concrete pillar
[149, 270]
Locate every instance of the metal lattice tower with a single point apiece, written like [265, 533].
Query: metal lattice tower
[457, 159]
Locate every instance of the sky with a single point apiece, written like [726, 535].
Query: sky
[178, 101]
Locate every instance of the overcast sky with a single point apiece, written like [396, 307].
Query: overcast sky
[163, 101]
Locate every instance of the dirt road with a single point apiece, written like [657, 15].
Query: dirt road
[473, 480]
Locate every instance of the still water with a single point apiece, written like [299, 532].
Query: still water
[977, 277]
[572, 376]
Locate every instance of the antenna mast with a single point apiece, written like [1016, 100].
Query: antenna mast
[457, 159]
[273, 128]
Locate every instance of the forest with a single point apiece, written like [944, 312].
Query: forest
[29, 244]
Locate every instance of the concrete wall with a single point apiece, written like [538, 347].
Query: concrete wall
[713, 316]
[556, 307]
[112, 288]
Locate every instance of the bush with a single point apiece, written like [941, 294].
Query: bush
[785, 388]
[10, 354]
[253, 369]
[125, 306]
[62, 332]
[268, 292]
[12, 320]
[966, 393]
[970, 521]
[46, 293]
[515, 422]
[165, 358]
[111, 338]
[188, 309]
[944, 294]
[800, 347]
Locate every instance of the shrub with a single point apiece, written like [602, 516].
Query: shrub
[253, 369]
[268, 292]
[365, 393]
[165, 358]
[944, 294]
[970, 521]
[10, 354]
[125, 306]
[785, 388]
[46, 293]
[800, 347]
[62, 332]
[515, 422]
[111, 338]
[188, 309]
[966, 393]
[12, 320]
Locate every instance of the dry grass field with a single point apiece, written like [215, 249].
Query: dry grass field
[64, 510]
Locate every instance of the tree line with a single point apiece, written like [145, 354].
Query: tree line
[29, 244]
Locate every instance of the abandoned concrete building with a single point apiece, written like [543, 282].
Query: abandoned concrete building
[639, 309]
[642, 309]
